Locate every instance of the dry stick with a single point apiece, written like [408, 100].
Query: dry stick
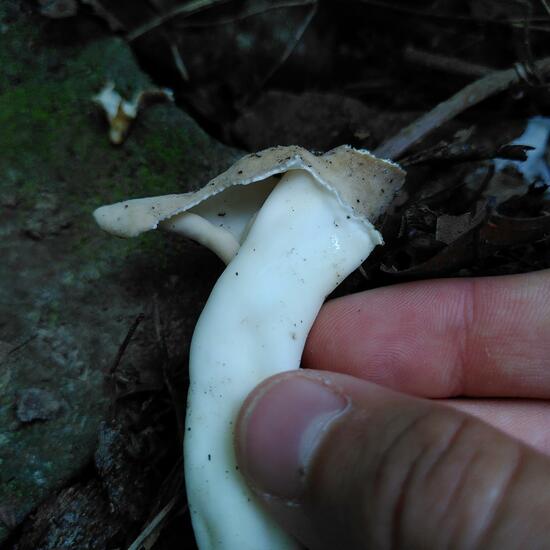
[472, 94]
[247, 14]
[186, 9]
[178, 62]
[104, 13]
[444, 63]
[126, 342]
[21, 345]
[526, 43]
[291, 46]
[163, 347]
[150, 534]
[435, 14]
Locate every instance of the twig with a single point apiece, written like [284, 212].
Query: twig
[444, 63]
[125, 342]
[288, 50]
[159, 329]
[152, 529]
[104, 13]
[472, 94]
[419, 12]
[546, 6]
[291, 46]
[21, 345]
[178, 62]
[465, 152]
[530, 75]
[537, 28]
[163, 347]
[434, 14]
[185, 10]
[247, 14]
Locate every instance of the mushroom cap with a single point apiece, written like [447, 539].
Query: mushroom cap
[364, 185]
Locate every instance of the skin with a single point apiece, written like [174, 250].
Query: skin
[423, 425]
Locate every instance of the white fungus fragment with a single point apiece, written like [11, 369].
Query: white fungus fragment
[121, 113]
[535, 169]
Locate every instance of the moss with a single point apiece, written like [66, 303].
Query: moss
[50, 116]
[55, 139]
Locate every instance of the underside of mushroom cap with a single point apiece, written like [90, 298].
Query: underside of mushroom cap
[363, 184]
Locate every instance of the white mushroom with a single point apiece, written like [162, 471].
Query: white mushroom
[288, 243]
[535, 168]
[121, 113]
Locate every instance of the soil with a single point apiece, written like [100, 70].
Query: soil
[95, 331]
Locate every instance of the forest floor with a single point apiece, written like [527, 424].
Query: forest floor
[95, 331]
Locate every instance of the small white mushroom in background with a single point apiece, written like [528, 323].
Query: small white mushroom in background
[121, 113]
[535, 169]
[288, 241]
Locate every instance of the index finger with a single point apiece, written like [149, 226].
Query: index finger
[473, 337]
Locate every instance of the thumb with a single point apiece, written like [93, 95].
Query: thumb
[343, 463]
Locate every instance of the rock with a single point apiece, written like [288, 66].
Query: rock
[69, 294]
[314, 120]
[118, 473]
[284, 115]
[70, 521]
[37, 404]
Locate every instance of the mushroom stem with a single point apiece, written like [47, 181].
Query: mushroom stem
[195, 227]
[302, 244]
[301, 236]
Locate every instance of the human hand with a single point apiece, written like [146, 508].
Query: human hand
[344, 462]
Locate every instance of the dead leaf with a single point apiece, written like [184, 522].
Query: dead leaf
[450, 228]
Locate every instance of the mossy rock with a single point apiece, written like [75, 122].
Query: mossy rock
[68, 293]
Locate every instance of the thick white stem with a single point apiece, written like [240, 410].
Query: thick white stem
[195, 227]
[302, 244]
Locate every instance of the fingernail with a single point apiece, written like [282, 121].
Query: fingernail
[280, 429]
